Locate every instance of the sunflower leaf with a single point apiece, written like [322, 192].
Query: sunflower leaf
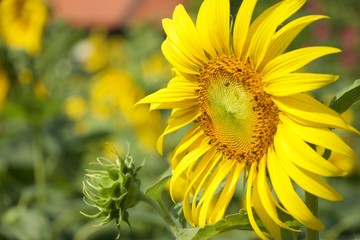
[155, 190]
[346, 97]
[238, 221]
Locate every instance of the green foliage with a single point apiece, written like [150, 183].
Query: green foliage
[156, 190]
[346, 97]
[237, 221]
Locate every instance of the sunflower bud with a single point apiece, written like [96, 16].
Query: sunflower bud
[112, 189]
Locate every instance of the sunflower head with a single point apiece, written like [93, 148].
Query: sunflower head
[22, 23]
[244, 97]
[236, 113]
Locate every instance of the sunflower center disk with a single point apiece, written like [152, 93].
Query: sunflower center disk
[236, 113]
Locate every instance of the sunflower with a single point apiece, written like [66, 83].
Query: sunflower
[244, 100]
[22, 23]
[4, 87]
[115, 90]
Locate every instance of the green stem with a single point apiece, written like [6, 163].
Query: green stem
[162, 211]
[312, 203]
[39, 166]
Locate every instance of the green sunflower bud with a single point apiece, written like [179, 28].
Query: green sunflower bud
[112, 189]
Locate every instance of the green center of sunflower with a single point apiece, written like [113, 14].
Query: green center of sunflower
[238, 116]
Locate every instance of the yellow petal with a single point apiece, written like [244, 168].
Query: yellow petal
[301, 154]
[227, 193]
[178, 59]
[201, 173]
[263, 35]
[266, 200]
[170, 98]
[294, 60]
[183, 82]
[323, 137]
[268, 221]
[287, 195]
[216, 178]
[204, 29]
[188, 160]
[203, 180]
[184, 34]
[284, 37]
[213, 24]
[292, 83]
[179, 118]
[310, 112]
[308, 181]
[202, 170]
[241, 26]
[249, 200]
[192, 136]
[255, 25]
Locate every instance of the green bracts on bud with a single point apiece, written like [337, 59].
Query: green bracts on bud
[112, 189]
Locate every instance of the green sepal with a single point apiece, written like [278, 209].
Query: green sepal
[346, 97]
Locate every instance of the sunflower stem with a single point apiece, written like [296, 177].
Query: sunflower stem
[39, 166]
[162, 211]
[312, 203]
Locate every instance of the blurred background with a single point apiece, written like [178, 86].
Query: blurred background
[70, 73]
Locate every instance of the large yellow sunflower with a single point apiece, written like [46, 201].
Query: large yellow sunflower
[243, 97]
[22, 23]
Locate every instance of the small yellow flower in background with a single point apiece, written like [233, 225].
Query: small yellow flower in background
[22, 23]
[243, 97]
[98, 51]
[154, 67]
[115, 91]
[111, 90]
[111, 148]
[41, 91]
[75, 107]
[4, 88]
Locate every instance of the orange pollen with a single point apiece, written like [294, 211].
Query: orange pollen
[236, 113]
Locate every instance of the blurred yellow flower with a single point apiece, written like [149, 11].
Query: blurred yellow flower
[111, 148]
[40, 90]
[115, 91]
[75, 107]
[4, 87]
[22, 23]
[154, 68]
[98, 50]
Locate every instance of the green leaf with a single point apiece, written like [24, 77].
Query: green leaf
[346, 97]
[186, 233]
[238, 221]
[155, 190]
